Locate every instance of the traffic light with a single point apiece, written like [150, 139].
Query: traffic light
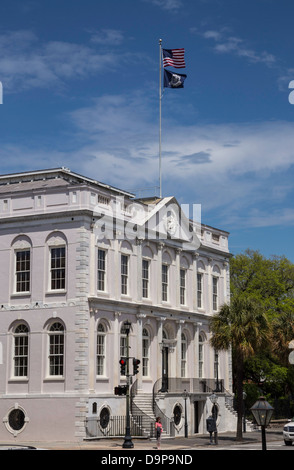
[123, 364]
[136, 363]
[120, 390]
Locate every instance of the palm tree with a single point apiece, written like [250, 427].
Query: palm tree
[242, 326]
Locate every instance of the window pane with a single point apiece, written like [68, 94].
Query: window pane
[58, 268]
[56, 349]
[22, 271]
[101, 270]
[164, 282]
[145, 278]
[21, 350]
[124, 274]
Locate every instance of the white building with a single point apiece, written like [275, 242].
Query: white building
[79, 258]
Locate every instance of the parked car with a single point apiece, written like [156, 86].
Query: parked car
[288, 432]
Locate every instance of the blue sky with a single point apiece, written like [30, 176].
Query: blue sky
[80, 89]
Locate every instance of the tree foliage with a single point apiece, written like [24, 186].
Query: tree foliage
[270, 281]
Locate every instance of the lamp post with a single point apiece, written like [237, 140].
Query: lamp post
[262, 412]
[185, 395]
[128, 443]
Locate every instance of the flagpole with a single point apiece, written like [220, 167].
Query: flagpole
[160, 98]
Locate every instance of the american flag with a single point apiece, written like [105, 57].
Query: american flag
[173, 58]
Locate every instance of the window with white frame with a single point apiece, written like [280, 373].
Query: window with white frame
[56, 349]
[199, 290]
[57, 267]
[145, 278]
[164, 282]
[182, 286]
[200, 355]
[183, 355]
[21, 351]
[101, 334]
[124, 274]
[216, 364]
[101, 273]
[215, 293]
[22, 270]
[123, 342]
[145, 352]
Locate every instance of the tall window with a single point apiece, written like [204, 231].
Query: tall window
[199, 290]
[164, 280]
[58, 268]
[21, 351]
[101, 349]
[214, 293]
[183, 355]
[23, 270]
[124, 274]
[145, 278]
[123, 342]
[182, 286]
[101, 270]
[145, 352]
[216, 364]
[56, 349]
[200, 356]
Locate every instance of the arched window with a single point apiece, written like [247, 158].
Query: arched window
[101, 332]
[145, 352]
[21, 351]
[56, 349]
[183, 355]
[200, 355]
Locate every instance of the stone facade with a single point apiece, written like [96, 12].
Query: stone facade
[75, 265]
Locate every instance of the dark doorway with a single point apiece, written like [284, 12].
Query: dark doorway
[164, 386]
[196, 417]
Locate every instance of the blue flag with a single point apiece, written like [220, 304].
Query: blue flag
[173, 80]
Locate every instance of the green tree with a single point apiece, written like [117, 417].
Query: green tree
[242, 326]
[271, 282]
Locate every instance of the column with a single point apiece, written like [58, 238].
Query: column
[209, 287]
[139, 243]
[138, 353]
[114, 365]
[194, 283]
[160, 246]
[178, 266]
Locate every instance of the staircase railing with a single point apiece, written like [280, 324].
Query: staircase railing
[142, 420]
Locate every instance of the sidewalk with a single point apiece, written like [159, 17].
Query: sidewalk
[170, 444]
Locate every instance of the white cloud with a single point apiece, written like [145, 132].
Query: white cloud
[169, 5]
[112, 37]
[28, 63]
[227, 44]
[231, 168]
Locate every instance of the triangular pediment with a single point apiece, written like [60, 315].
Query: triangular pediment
[158, 220]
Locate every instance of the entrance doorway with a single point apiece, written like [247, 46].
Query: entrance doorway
[197, 415]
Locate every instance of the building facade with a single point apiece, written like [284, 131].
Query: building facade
[80, 258]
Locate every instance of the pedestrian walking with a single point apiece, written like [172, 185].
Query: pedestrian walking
[158, 429]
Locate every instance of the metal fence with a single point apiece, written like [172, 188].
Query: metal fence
[115, 428]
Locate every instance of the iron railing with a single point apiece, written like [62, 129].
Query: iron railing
[146, 422]
[115, 428]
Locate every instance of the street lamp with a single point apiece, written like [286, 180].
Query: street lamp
[185, 395]
[262, 412]
[128, 444]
